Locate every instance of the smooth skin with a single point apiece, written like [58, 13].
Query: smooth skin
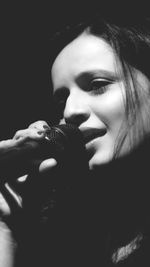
[89, 88]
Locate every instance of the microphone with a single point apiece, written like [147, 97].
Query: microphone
[63, 142]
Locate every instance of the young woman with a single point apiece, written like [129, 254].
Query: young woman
[101, 83]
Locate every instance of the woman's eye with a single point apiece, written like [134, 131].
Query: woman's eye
[99, 86]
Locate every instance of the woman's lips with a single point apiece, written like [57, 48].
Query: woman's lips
[90, 133]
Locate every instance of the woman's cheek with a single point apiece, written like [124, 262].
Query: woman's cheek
[110, 109]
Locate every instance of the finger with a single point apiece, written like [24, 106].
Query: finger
[11, 201]
[4, 207]
[22, 179]
[7, 145]
[39, 125]
[47, 165]
[15, 197]
[27, 134]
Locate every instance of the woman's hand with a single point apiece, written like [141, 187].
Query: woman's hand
[20, 193]
[36, 131]
[11, 195]
[50, 163]
[10, 199]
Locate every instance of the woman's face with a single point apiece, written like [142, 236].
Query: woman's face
[89, 88]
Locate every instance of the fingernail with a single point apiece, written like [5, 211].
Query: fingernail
[40, 132]
[46, 127]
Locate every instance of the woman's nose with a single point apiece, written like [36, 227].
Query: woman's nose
[76, 110]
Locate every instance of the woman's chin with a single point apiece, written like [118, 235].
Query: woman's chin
[99, 159]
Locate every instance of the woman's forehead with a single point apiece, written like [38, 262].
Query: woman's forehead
[85, 53]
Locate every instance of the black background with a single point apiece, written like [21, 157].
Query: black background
[26, 30]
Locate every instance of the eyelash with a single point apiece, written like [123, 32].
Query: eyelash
[101, 86]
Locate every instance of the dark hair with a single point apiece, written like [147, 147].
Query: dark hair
[130, 41]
